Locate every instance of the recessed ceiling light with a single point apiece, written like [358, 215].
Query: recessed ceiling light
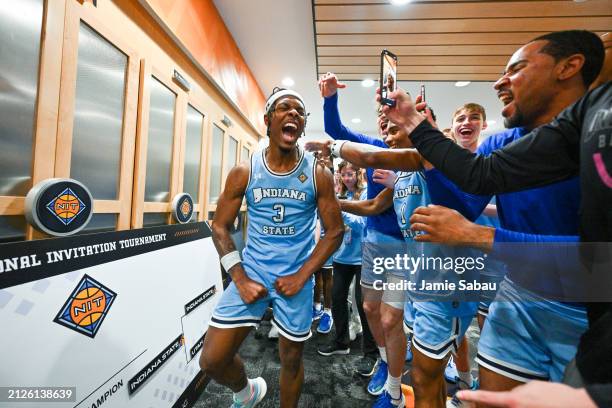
[356, 120]
[367, 83]
[400, 2]
[491, 122]
[461, 84]
[288, 81]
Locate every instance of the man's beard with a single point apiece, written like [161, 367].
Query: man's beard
[516, 120]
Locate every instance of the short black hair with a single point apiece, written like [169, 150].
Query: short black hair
[562, 44]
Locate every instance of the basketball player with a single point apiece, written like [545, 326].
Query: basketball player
[283, 187]
[438, 327]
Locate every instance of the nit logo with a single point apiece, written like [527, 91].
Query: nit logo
[66, 206]
[186, 208]
[302, 177]
[86, 308]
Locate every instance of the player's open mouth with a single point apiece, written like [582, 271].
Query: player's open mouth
[507, 98]
[290, 130]
[466, 132]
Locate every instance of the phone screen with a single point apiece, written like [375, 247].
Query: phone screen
[388, 72]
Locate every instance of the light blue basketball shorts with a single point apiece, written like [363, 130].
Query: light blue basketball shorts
[435, 329]
[527, 337]
[292, 315]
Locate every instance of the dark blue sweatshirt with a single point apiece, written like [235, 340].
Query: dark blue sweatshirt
[385, 222]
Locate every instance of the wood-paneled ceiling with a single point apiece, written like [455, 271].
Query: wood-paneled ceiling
[441, 40]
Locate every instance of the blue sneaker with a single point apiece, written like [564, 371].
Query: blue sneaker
[325, 324]
[385, 401]
[456, 402]
[450, 372]
[409, 351]
[316, 313]
[379, 378]
[259, 392]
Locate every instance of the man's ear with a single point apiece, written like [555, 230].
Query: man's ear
[569, 67]
[484, 124]
[266, 120]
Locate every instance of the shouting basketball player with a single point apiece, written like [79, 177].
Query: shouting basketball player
[283, 187]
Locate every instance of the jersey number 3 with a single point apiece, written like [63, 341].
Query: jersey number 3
[280, 216]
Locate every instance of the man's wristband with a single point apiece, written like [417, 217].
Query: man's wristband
[229, 260]
[337, 147]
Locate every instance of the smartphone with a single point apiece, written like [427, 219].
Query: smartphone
[422, 93]
[388, 76]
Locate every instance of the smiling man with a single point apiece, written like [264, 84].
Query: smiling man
[283, 187]
[468, 121]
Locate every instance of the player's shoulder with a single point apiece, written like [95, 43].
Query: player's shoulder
[239, 174]
[500, 139]
[242, 168]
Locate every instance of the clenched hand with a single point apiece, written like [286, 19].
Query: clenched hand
[249, 290]
[290, 285]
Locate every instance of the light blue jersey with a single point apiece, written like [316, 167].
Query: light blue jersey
[280, 237]
[410, 191]
[281, 210]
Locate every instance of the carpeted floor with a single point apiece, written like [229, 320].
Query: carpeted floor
[328, 381]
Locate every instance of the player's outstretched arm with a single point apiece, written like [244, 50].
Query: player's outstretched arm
[376, 157]
[228, 207]
[365, 155]
[331, 219]
[373, 206]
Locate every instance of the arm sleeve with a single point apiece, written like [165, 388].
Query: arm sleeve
[529, 248]
[504, 235]
[601, 394]
[548, 154]
[445, 192]
[335, 128]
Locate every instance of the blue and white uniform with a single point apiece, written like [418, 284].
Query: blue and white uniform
[280, 237]
[438, 326]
